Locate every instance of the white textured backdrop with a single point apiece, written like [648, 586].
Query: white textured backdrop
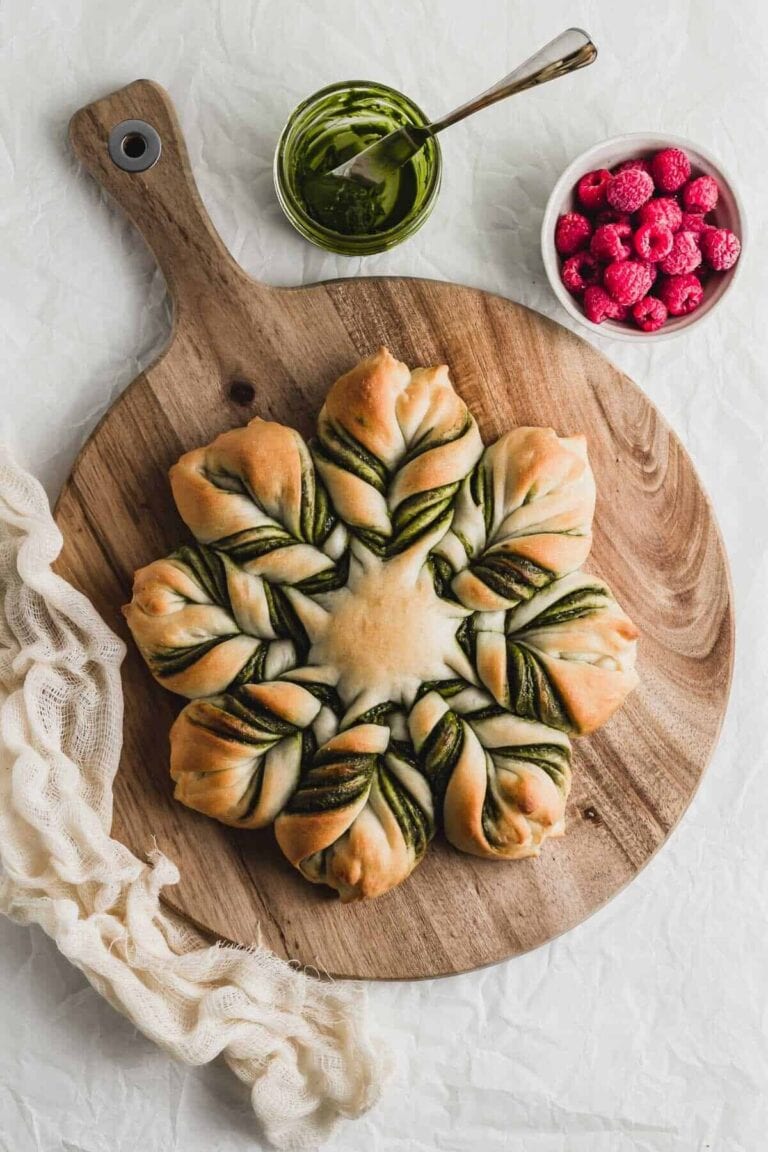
[645, 1028]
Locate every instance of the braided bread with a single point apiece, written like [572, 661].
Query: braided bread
[205, 625]
[254, 495]
[500, 782]
[522, 519]
[362, 816]
[238, 756]
[383, 632]
[393, 447]
[565, 657]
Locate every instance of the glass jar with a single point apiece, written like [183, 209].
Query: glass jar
[367, 110]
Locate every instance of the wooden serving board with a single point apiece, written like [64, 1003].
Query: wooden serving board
[240, 348]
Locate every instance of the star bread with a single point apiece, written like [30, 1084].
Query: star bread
[384, 632]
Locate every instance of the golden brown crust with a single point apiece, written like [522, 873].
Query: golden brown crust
[370, 859]
[531, 810]
[590, 694]
[253, 494]
[201, 622]
[388, 437]
[346, 826]
[363, 403]
[579, 648]
[301, 834]
[237, 757]
[263, 465]
[523, 520]
[507, 778]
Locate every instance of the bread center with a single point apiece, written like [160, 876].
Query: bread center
[388, 632]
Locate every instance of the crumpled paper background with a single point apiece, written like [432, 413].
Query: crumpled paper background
[645, 1028]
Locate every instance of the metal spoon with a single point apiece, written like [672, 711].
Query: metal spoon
[568, 52]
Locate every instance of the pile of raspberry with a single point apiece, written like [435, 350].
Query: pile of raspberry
[641, 245]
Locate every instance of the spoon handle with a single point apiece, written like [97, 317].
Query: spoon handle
[568, 52]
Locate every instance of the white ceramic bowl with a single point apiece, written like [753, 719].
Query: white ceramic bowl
[728, 214]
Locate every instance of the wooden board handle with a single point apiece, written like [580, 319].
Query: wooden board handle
[162, 200]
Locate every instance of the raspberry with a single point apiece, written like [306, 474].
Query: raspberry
[684, 257]
[670, 169]
[629, 189]
[650, 313]
[629, 165]
[720, 247]
[681, 294]
[579, 271]
[694, 222]
[591, 189]
[652, 241]
[662, 210]
[598, 306]
[700, 195]
[572, 232]
[651, 269]
[606, 243]
[611, 216]
[627, 281]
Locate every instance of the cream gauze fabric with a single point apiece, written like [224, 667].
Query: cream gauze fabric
[300, 1045]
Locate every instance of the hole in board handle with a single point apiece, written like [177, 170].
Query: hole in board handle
[134, 145]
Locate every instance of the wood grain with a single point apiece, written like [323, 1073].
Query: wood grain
[240, 349]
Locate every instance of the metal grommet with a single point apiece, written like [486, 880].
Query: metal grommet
[134, 145]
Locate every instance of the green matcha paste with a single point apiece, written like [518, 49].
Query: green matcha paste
[344, 206]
